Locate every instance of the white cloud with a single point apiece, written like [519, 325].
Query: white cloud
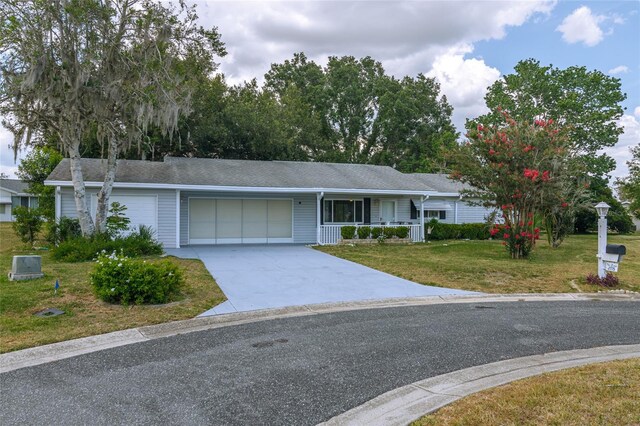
[464, 82]
[7, 164]
[620, 69]
[406, 36]
[582, 26]
[631, 137]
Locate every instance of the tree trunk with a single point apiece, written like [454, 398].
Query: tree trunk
[86, 223]
[107, 185]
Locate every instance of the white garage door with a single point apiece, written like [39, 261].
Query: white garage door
[226, 221]
[141, 209]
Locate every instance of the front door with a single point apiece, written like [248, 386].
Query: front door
[387, 211]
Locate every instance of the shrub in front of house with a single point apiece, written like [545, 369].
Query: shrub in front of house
[402, 231]
[449, 231]
[389, 232]
[364, 232]
[63, 229]
[82, 249]
[348, 232]
[120, 279]
[376, 233]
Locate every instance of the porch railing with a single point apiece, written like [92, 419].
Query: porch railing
[331, 234]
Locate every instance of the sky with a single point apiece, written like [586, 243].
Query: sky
[465, 45]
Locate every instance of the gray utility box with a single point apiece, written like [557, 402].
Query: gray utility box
[26, 268]
[614, 253]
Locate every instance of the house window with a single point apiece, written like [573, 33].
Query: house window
[343, 211]
[2, 209]
[436, 214]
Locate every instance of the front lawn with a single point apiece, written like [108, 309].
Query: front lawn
[85, 315]
[486, 266]
[600, 394]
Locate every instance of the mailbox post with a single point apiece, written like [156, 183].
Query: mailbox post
[602, 208]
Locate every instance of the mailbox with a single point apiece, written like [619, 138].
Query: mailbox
[614, 252]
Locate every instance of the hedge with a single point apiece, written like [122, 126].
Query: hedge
[449, 231]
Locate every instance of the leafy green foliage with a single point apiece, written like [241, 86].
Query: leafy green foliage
[376, 232]
[629, 187]
[27, 223]
[62, 230]
[402, 231]
[82, 249]
[348, 232]
[389, 231]
[34, 169]
[350, 111]
[450, 231]
[120, 279]
[117, 221]
[586, 102]
[618, 219]
[364, 232]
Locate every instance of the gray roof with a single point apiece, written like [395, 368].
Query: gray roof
[246, 173]
[440, 182]
[14, 185]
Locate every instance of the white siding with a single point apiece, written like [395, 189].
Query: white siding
[166, 232]
[472, 214]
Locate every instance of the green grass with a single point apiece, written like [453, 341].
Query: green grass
[486, 266]
[85, 314]
[599, 394]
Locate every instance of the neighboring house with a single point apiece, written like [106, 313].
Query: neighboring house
[192, 201]
[13, 193]
[636, 221]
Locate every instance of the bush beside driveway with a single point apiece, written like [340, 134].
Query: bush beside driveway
[85, 314]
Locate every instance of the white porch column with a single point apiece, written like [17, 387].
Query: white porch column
[422, 198]
[319, 196]
[58, 203]
[177, 218]
[455, 210]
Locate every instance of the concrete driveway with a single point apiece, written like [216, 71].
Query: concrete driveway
[272, 276]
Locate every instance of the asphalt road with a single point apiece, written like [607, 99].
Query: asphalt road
[300, 370]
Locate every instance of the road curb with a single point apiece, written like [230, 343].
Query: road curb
[70, 348]
[403, 405]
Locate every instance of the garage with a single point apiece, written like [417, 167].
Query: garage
[240, 221]
[141, 209]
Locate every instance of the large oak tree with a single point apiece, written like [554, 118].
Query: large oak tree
[109, 69]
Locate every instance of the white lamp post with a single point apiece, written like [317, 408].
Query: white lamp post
[602, 208]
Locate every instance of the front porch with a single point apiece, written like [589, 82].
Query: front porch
[332, 234]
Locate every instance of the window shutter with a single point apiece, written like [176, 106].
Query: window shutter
[367, 211]
[414, 211]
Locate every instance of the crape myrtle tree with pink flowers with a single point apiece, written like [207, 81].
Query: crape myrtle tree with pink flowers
[522, 169]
